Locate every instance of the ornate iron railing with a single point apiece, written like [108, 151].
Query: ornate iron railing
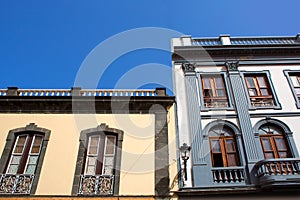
[262, 102]
[15, 183]
[283, 166]
[206, 42]
[220, 103]
[228, 175]
[96, 185]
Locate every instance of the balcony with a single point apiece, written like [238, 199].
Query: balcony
[96, 185]
[278, 172]
[15, 183]
[262, 102]
[228, 175]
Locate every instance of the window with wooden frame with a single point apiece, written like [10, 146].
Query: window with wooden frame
[259, 90]
[295, 79]
[100, 155]
[273, 142]
[214, 91]
[25, 154]
[223, 147]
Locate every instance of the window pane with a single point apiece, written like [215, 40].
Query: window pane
[16, 160]
[221, 93]
[219, 83]
[12, 169]
[93, 150]
[36, 145]
[30, 169]
[110, 145]
[264, 92]
[92, 160]
[232, 160]
[280, 143]
[283, 154]
[206, 83]
[94, 140]
[250, 82]
[261, 81]
[252, 92]
[269, 155]
[32, 160]
[20, 144]
[90, 170]
[230, 145]
[108, 170]
[266, 144]
[215, 146]
[295, 81]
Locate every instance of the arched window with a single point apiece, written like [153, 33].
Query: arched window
[223, 147]
[273, 142]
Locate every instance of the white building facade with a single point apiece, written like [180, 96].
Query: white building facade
[238, 102]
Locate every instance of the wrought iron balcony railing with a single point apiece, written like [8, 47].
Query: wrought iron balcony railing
[228, 175]
[16, 183]
[262, 102]
[96, 185]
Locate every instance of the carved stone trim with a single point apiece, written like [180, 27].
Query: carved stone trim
[232, 66]
[188, 67]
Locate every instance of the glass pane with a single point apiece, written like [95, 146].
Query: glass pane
[250, 82]
[264, 92]
[283, 154]
[252, 92]
[94, 140]
[269, 155]
[30, 169]
[261, 81]
[20, 144]
[90, 170]
[16, 160]
[92, 160]
[219, 83]
[206, 82]
[266, 144]
[280, 143]
[110, 145]
[232, 160]
[215, 146]
[36, 144]
[93, 150]
[230, 145]
[33, 160]
[108, 170]
[221, 93]
[295, 81]
[13, 169]
[109, 161]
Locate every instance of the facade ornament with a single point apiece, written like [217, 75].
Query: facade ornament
[188, 67]
[232, 66]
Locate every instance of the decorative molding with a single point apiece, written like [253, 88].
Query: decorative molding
[188, 67]
[232, 66]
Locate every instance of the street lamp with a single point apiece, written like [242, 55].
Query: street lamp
[185, 155]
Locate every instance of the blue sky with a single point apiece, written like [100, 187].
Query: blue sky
[44, 43]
